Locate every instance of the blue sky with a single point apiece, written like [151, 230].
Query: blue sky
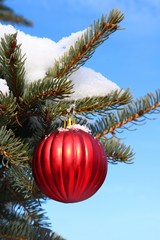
[127, 206]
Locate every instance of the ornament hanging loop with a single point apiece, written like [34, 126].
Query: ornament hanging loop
[69, 121]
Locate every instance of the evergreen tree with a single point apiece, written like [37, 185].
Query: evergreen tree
[8, 15]
[31, 111]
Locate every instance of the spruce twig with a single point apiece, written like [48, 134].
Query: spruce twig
[14, 149]
[12, 61]
[130, 114]
[85, 46]
[7, 108]
[117, 151]
[8, 15]
[91, 105]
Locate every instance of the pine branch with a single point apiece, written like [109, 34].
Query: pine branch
[37, 93]
[8, 15]
[85, 46]
[10, 237]
[117, 151]
[10, 180]
[90, 105]
[47, 89]
[18, 225]
[52, 114]
[22, 181]
[132, 113]
[1, 73]
[21, 230]
[12, 62]
[8, 211]
[100, 105]
[29, 209]
[13, 148]
[7, 108]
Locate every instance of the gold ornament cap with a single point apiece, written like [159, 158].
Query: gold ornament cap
[69, 122]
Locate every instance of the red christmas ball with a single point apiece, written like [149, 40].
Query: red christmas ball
[69, 165]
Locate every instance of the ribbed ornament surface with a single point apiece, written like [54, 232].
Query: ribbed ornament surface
[69, 166]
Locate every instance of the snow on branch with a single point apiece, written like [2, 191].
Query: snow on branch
[42, 53]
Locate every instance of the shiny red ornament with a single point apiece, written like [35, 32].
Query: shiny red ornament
[69, 165]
